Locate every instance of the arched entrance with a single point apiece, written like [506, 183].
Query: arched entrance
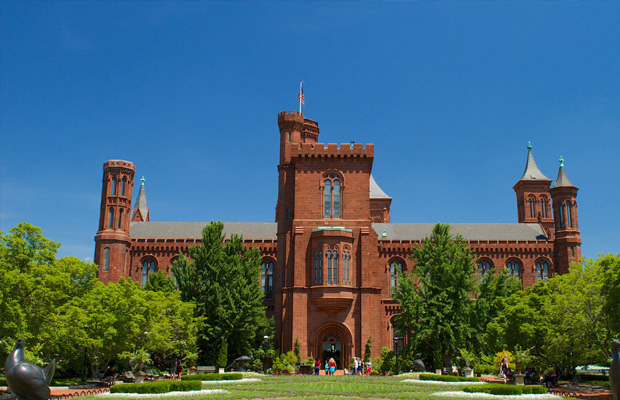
[333, 340]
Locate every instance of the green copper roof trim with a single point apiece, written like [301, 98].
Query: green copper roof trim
[529, 145]
[561, 160]
[332, 228]
[142, 180]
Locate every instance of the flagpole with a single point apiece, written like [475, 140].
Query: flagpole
[300, 89]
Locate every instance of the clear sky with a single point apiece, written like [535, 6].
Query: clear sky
[449, 92]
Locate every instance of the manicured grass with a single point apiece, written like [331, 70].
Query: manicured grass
[324, 388]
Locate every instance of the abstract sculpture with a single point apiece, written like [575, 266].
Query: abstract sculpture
[27, 380]
[614, 370]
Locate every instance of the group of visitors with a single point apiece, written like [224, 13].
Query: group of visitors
[359, 367]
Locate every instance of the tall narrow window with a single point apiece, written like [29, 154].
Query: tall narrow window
[561, 215]
[318, 268]
[329, 267]
[289, 136]
[335, 268]
[395, 266]
[514, 269]
[123, 183]
[111, 219]
[332, 197]
[543, 207]
[266, 278]
[346, 267]
[483, 269]
[106, 259]
[569, 216]
[532, 207]
[113, 186]
[542, 271]
[120, 218]
[148, 267]
[327, 197]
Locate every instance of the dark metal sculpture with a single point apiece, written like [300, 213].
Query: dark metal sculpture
[418, 364]
[614, 370]
[26, 380]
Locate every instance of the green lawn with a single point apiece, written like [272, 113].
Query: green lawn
[324, 388]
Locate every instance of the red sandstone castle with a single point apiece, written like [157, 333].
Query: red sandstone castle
[330, 257]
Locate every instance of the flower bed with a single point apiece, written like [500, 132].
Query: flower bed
[502, 389]
[447, 378]
[157, 387]
[213, 377]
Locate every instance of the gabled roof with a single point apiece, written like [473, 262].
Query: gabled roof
[531, 171]
[193, 230]
[141, 202]
[562, 179]
[470, 231]
[375, 190]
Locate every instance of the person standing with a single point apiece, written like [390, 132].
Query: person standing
[504, 368]
[332, 366]
[326, 367]
[179, 368]
[317, 367]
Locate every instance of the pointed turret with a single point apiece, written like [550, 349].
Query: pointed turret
[379, 203]
[141, 210]
[567, 239]
[533, 199]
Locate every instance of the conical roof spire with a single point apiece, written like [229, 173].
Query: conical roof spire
[141, 203]
[562, 179]
[375, 190]
[531, 169]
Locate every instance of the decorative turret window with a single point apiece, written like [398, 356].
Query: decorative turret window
[111, 219]
[543, 207]
[113, 188]
[542, 271]
[395, 267]
[484, 267]
[120, 218]
[346, 267]
[569, 216]
[332, 267]
[106, 259]
[318, 268]
[561, 215]
[331, 196]
[149, 266]
[532, 203]
[266, 278]
[123, 183]
[513, 268]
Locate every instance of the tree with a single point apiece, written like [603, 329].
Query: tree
[160, 282]
[368, 349]
[438, 309]
[222, 280]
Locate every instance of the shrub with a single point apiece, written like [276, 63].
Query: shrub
[447, 378]
[504, 390]
[157, 387]
[213, 377]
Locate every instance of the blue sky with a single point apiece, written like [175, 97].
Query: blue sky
[449, 92]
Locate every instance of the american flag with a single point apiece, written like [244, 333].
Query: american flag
[301, 96]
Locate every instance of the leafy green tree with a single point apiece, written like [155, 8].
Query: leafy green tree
[439, 308]
[222, 280]
[160, 282]
[368, 349]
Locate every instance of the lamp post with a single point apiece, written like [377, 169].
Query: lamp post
[396, 339]
[266, 339]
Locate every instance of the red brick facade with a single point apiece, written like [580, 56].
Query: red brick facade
[332, 243]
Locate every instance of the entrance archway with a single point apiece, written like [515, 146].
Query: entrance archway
[333, 340]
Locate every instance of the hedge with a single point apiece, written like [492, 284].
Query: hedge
[157, 387]
[213, 377]
[447, 378]
[502, 389]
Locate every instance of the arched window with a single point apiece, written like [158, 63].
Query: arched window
[513, 268]
[346, 267]
[532, 203]
[395, 266]
[266, 278]
[569, 215]
[120, 218]
[484, 267]
[332, 267]
[113, 186]
[561, 215]
[542, 271]
[331, 197]
[111, 219]
[123, 183]
[148, 267]
[106, 259]
[318, 268]
[543, 207]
